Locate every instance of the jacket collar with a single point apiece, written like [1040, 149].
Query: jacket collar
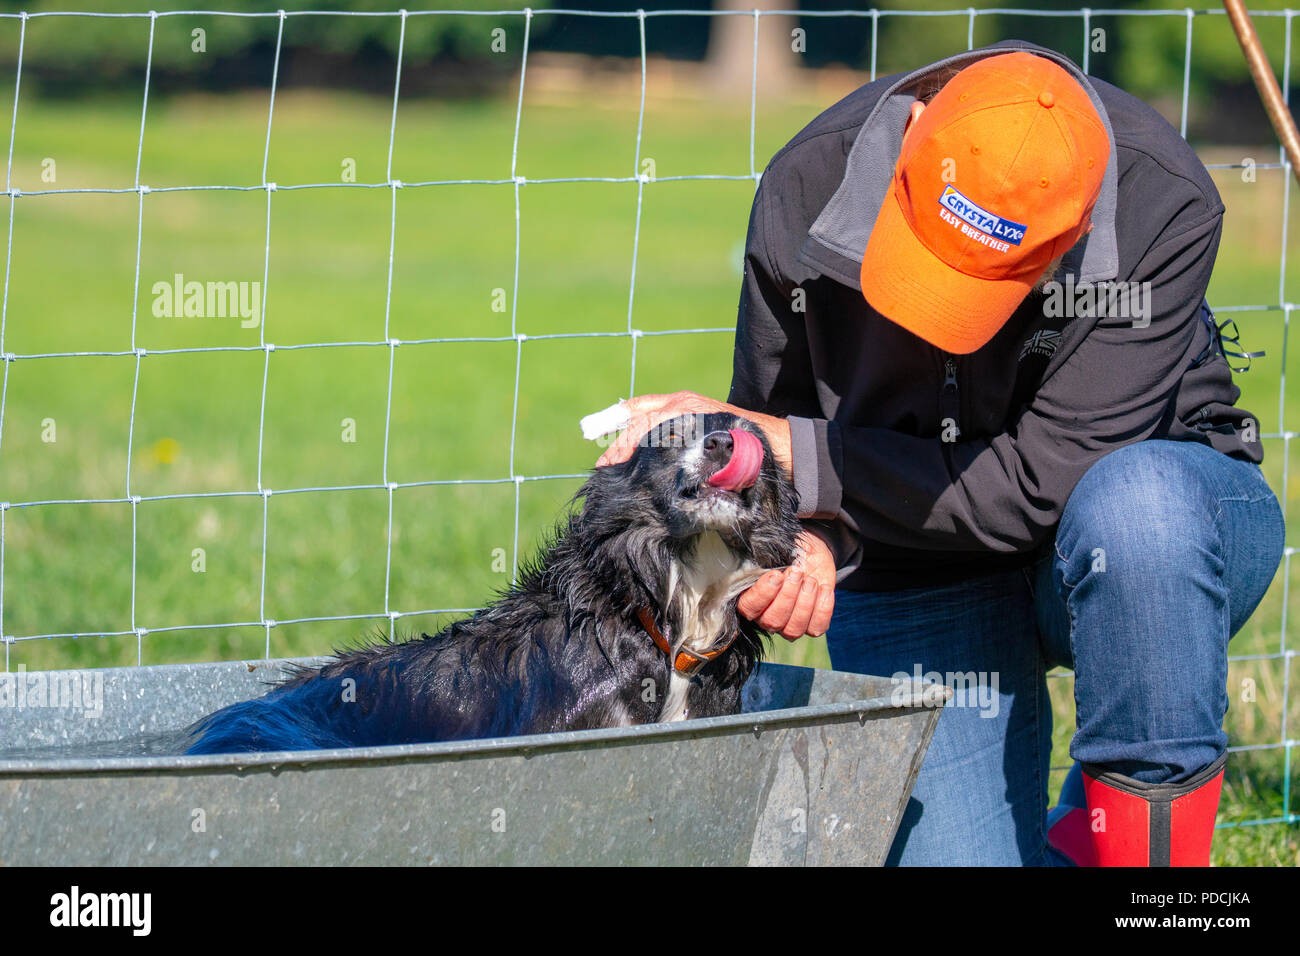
[837, 240]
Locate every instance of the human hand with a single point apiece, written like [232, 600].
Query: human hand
[797, 600]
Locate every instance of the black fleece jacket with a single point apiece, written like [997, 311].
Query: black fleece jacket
[903, 498]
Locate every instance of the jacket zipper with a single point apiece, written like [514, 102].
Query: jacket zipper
[949, 397]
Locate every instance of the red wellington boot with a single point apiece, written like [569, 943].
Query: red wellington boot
[1145, 824]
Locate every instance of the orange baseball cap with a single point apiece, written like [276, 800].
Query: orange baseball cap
[997, 177]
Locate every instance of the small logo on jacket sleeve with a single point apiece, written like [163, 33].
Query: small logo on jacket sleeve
[1043, 342]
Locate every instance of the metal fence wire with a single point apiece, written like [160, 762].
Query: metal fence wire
[138, 352]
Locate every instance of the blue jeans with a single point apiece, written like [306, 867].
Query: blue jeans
[1163, 551]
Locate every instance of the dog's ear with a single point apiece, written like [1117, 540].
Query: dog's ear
[606, 482]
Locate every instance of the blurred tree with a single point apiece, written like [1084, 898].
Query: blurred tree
[733, 57]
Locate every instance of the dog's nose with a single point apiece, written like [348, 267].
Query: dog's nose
[718, 447]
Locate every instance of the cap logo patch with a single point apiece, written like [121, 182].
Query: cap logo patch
[992, 225]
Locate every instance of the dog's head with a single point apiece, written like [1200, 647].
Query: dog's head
[700, 473]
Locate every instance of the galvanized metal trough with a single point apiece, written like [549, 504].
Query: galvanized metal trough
[816, 770]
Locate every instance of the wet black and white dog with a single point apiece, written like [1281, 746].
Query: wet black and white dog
[628, 617]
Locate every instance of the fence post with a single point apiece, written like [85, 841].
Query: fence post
[1265, 82]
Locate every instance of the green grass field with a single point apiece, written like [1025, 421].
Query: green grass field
[69, 567]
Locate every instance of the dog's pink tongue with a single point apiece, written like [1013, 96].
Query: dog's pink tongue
[746, 460]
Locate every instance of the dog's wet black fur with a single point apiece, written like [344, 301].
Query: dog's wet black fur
[562, 649]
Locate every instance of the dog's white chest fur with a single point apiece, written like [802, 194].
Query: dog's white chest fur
[675, 702]
[699, 591]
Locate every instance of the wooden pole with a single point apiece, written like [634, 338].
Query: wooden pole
[1265, 82]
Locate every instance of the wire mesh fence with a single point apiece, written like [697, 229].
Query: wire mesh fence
[137, 351]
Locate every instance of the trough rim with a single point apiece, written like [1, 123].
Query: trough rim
[924, 696]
